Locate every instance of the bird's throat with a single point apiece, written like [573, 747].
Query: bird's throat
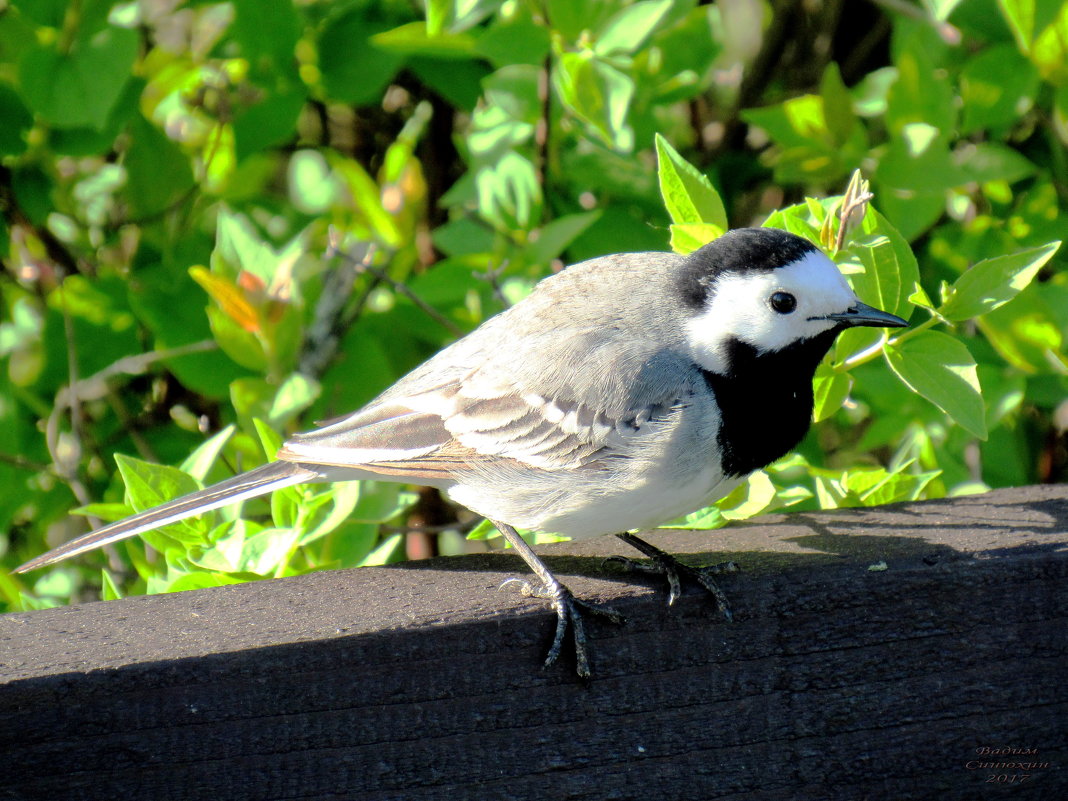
[765, 401]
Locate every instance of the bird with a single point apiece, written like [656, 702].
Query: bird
[624, 391]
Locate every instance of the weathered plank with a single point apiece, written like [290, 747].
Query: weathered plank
[421, 681]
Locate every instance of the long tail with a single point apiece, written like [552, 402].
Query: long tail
[260, 481]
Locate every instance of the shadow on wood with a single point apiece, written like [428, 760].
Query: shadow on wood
[421, 681]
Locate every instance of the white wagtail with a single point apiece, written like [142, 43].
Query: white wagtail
[622, 392]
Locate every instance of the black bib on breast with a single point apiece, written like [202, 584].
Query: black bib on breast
[765, 401]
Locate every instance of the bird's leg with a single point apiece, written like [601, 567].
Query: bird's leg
[568, 608]
[667, 565]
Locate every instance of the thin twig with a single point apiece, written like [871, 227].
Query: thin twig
[852, 208]
[544, 127]
[144, 450]
[461, 528]
[95, 387]
[21, 462]
[329, 324]
[492, 275]
[949, 33]
[66, 467]
[364, 265]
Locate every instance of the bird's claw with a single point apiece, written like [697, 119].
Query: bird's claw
[674, 571]
[569, 610]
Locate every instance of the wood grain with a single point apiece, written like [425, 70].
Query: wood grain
[422, 681]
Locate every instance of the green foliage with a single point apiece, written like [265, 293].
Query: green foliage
[220, 222]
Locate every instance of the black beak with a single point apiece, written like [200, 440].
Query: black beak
[863, 314]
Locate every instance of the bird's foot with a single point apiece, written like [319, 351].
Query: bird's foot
[569, 611]
[671, 568]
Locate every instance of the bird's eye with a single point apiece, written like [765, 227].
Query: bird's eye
[783, 302]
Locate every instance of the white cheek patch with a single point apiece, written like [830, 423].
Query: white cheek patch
[739, 308]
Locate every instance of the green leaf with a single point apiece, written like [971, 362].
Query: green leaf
[518, 40]
[267, 31]
[107, 512]
[268, 123]
[876, 486]
[514, 90]
[837, 104]
[412, 39]
[1028, 332]
[296, 393]
[252, 397]
[628, 29]
[227, 540]
[313, 189]
[483, 530]
[941, 9]
[796, 123]
[688, 194]
[880, 284]
[758, 495]
[891, 270]
[366, 198]
[687, 44]
[941, 369]
[572, 18]
[988, 161]
[264, 551]
[203, 581]
[44, 12]
[391, 550]
[1026, 18]
[109, 590]
[1049, 52]
[270, 440]
[79, 88]
[1060, 113]
[702, 520]
[796, 220]
[167, 301]
[994, 282]
[345, 496]
[688, 237]
[437, 16]
[830, 389]
[921, 93]
[201, 460]
[242, 346]
[599, 95]
[997, 87]
[149, 485]
[457, 81]
[354, 69]
[808, 148]
[15, 122]
[381, 501]
[158, 172]
[919, 297]
[289, 504]
[468, 13]
[554, 237]
[508, 192]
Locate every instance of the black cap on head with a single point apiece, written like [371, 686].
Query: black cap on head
[739, 251]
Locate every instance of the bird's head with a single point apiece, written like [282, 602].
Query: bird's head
[768, 290]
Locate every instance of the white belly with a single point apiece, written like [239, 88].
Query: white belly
[585, 509]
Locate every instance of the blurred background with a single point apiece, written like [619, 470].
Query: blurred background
[221, 221]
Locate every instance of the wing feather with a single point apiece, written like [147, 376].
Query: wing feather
[496, 398]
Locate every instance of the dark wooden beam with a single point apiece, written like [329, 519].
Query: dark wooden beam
[837, 680]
